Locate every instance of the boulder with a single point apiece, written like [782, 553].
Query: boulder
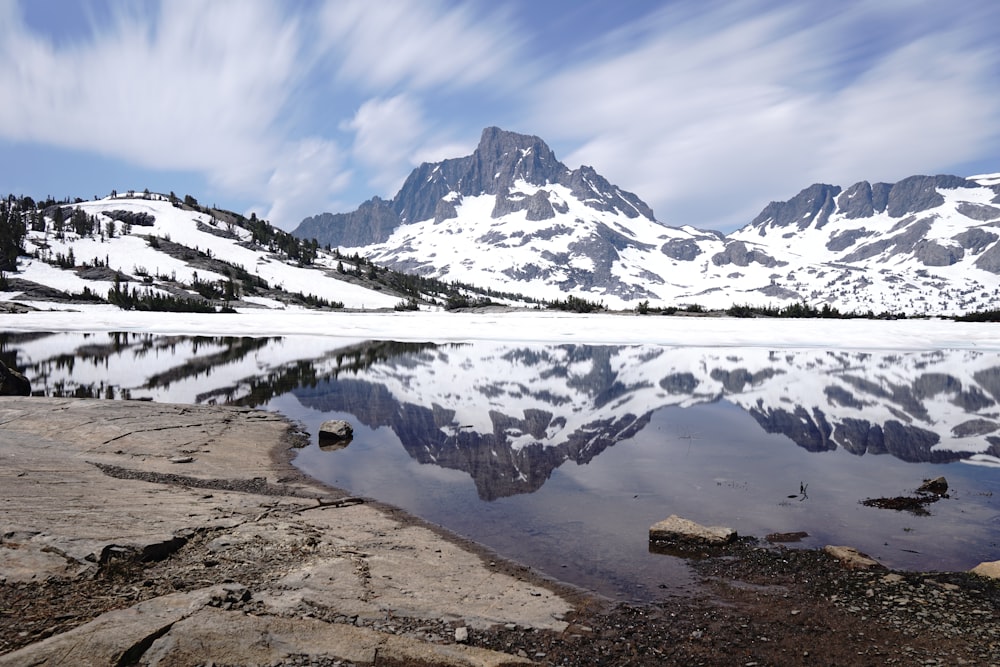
[676, 529]
[13, 383]
[988, 569]
[938, 486]
[335, 434]
[851, 558]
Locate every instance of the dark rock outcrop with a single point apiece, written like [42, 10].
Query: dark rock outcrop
[815, 203]
[13, 383]
[373, 222]
[736, 252]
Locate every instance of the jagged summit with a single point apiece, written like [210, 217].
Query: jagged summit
[815, 204]
[501, 162]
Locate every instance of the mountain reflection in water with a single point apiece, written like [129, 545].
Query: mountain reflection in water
[509, 416]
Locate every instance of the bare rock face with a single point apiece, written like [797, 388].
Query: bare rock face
[335, 434]
[12, 383]
[851, 558]
[989, 569]
[676, 529]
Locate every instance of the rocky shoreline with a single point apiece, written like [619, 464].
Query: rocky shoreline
[143, 533]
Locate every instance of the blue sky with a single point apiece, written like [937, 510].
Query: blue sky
[706, 110]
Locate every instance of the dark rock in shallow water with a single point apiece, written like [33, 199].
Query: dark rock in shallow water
[12, 383]
[335, 434]
[937, 486]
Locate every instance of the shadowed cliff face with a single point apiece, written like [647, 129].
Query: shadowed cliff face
[509, 415]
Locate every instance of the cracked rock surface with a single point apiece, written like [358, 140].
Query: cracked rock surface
[121, 555]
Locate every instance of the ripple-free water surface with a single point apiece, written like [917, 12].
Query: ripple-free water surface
[562, 456]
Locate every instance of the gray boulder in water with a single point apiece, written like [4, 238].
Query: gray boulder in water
[335, 434]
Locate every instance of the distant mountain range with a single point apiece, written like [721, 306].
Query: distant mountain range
[512, 218]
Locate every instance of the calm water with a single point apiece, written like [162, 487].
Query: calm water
[562, 456]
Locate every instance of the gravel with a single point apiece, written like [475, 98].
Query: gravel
[754, 605]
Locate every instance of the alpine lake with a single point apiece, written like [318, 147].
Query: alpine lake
[562, 456]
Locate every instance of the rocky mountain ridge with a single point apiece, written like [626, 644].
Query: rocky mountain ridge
[511, 217]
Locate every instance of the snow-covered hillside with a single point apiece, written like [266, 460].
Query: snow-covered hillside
[158, 247]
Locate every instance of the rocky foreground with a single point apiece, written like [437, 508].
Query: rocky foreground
[151, 534]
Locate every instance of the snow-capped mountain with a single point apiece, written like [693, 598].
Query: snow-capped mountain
[509, 414]
[512, 218]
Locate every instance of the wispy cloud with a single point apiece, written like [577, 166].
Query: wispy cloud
[418, 44]
[189, 88]
[702, 112]
[386, 134]
[294, 108]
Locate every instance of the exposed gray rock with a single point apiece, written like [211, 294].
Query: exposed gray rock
[684, 250]
[736, 252]
[990, 259]
[445, 210]
[500, 160]
[976, 239]
[931, 253]
[676, 529]
[595, 191]
[981, 212]
[335, 434]
[373, 222]
[779, 292]
[856, 201]
[538, 207]
[912, 232]
[844, 240]
[920, 193]
[814, 204]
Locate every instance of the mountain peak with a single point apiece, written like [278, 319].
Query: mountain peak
[502, 158]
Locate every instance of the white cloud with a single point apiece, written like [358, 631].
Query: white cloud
[707, 114]
[922, 107]
[387, 132]
[419, 44]
[300, 186]
[191, 88]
